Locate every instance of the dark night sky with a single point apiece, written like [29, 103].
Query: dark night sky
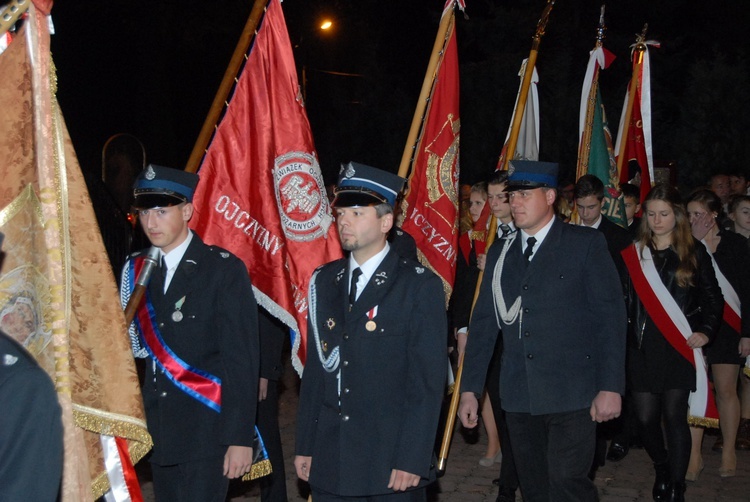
[151, 69]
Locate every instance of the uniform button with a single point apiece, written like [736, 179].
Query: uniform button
[530, 356]
[588, 356]
[526, 310]
[346, 391]
[346, 337]
[161, 324]
[525, 287]
[526, 333]
[346, 363]
[562, 276]
[164, 394]
[345, 418]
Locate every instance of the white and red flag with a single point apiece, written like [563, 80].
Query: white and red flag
[637, 165]
[430, 207]
[261, 193]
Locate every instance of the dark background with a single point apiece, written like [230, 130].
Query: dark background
[151, 69]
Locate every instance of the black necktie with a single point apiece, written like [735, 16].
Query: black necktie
[353, 286]
[505, 230]
[529, 248]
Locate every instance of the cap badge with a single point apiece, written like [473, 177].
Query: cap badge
[349, 171]
[150, 173]
[511, 169]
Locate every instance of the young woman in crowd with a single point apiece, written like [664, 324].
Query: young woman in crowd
[471, 243]
[674, 309]
[727, 352]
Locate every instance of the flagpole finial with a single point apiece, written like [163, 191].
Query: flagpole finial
[541, 26]
[601, 30]
[640, 39]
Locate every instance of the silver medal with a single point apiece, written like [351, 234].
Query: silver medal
[177, 316]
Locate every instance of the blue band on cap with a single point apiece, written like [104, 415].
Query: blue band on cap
[166, 185]
[546, 179]
[388, 193]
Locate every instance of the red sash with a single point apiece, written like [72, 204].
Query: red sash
[702, 404]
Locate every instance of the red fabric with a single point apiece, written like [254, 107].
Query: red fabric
[261, 194]
[431, 204]
[653, 306]
[131, 478]
[635, 147]
[731, 318]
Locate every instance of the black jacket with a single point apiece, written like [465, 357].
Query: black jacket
[702, 302]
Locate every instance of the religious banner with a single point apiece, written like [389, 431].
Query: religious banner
[430, 207]
[58, 295]
[261, 193]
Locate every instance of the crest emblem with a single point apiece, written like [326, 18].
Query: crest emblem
[300, 197]
[349, 170]
[150, 174]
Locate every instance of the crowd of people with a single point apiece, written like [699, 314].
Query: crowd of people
[684, 285]
[573, 331]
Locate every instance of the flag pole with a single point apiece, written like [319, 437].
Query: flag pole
[230, 76]
[585, 146]
[444, 31]
[640, 47]
[511, 147]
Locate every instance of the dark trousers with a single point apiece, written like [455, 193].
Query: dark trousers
[508, 474]
[553, 454]
[416, 495]
[197, 481]
[273, 486]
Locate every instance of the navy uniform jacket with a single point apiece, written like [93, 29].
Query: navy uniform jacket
[391, 378]
[219, 335]
[31, 432]
[571, 342]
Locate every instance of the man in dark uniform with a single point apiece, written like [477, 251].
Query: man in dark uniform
[31, 435]
[376, 367]
[563, 361]
[198, 327]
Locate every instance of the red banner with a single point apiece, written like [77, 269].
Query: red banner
[430, 207]
[261, 194]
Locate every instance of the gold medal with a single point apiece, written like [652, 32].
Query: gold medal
[370, 326]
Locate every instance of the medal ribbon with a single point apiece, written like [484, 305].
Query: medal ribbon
[196, 383]
[672, 324]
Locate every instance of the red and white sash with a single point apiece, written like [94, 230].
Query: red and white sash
[732, 304]
[674, 326]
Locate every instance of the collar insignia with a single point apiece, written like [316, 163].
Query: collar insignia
[330, 323]
[380, 278]
[419, 270]
[9, 360]
[340, 274]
